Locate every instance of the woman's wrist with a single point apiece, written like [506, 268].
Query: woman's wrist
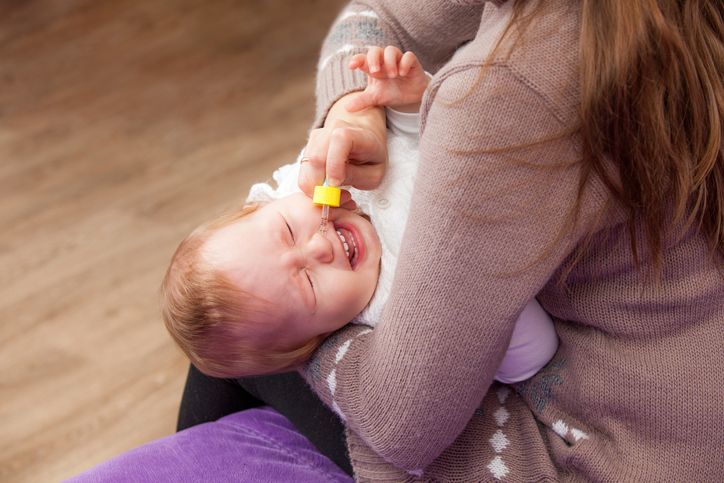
[372, 118]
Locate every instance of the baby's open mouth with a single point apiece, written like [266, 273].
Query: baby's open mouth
[348, 243]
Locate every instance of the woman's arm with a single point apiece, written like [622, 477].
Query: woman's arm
[422, 27]
[207, 399]
[486, 231]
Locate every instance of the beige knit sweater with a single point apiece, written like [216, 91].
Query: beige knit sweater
[636, 390]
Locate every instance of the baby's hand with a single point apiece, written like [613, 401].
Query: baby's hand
[394, 79]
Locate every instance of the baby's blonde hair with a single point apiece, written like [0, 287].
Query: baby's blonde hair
[214, 321]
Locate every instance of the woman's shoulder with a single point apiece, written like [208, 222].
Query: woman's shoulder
[545, 60]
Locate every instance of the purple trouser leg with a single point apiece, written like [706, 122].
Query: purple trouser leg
[256, 445]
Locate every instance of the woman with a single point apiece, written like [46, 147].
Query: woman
[586, 158]
[578, 147]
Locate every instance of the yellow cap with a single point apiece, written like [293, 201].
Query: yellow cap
[327, 195]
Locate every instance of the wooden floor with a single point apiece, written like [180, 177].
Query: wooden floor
[123, 124]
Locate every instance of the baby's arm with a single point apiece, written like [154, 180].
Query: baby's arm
[394, 80]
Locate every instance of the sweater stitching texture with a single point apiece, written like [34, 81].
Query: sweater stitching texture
[450, 71]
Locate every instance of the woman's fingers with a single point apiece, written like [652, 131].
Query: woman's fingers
[343, 154]
[311, 171]
[351, 205]
[355, 157]
[346, 201]
[310, 175]
[365, 176]
[341, 144]
[344, 196]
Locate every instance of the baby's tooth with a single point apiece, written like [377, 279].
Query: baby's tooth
[346, 247]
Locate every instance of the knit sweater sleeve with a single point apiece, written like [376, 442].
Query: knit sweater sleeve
[433, 29]
[487, 229]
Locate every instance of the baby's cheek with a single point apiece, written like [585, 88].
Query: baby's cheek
[364, 287]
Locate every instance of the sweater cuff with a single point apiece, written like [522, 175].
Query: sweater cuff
[335, 80]
[369, 466]
[320, 370]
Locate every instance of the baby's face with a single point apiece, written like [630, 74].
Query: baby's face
[278, 254]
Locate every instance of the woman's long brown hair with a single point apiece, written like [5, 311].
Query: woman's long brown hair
[652, 101]
[652, 104]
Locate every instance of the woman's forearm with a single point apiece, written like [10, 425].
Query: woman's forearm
[409, 387]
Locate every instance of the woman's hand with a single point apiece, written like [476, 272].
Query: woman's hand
[346, 201]
[351, 149]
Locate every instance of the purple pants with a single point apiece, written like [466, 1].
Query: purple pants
[254, 445]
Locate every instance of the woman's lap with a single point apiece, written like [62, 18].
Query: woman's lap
[254, 445]
[208, 398]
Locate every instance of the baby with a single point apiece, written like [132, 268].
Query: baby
[256, 291]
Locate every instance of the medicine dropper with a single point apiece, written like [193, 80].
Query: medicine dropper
[326, 196]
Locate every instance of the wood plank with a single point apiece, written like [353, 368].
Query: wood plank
[124, 124]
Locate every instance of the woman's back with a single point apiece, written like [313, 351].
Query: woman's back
[638, 371]
[639, 363]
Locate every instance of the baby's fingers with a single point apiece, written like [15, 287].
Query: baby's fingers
[408, 63]
[375, 58]
[392, 56]
[359, 61]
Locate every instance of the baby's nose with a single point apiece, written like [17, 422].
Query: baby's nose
[320, 248]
